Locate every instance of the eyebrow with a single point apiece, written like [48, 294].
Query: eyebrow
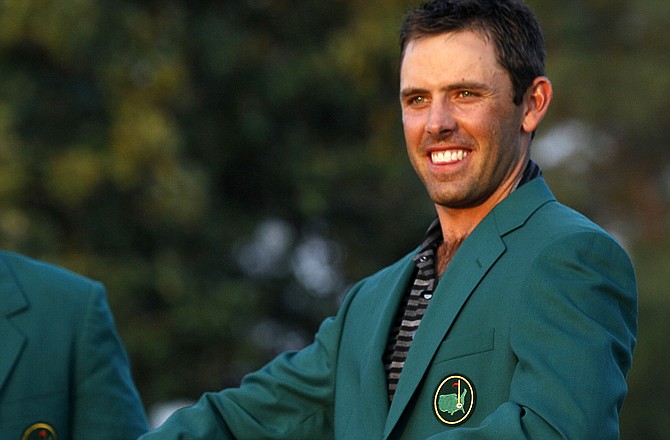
[471, 85]
[412, 91]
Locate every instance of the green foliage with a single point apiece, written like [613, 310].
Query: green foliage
[228, 168]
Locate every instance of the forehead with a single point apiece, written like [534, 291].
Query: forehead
[454, 56]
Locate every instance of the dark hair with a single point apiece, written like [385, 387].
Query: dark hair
[510, 24]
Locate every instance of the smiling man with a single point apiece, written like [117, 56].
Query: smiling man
[466, 138]
[516, 317]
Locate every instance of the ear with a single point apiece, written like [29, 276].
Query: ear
[536, 102]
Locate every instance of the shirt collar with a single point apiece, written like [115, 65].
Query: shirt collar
[431, 240]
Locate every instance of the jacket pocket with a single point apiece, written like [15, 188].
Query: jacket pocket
[454, 347]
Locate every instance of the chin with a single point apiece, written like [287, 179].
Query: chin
[453, 201]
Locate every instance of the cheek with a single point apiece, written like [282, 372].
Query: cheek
[497, 129]
[413, 128]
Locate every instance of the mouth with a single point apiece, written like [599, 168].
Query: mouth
[445, 157]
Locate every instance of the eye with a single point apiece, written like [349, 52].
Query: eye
[417, 100]
[466, 94]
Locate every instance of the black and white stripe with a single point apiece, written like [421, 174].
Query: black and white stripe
[412, 308]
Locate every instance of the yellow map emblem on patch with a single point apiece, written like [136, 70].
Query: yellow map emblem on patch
[40, 431]
[454, 400]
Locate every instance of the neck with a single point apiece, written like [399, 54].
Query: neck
[458, 223]
[445, 253]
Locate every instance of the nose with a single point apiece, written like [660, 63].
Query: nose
[441, 119]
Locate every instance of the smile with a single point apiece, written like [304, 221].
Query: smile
[450, 156]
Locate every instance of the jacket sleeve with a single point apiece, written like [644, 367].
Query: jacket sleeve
[574, 338]
[290, 398]
[105, 402]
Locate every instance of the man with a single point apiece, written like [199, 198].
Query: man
[515, 319]
[64, 373]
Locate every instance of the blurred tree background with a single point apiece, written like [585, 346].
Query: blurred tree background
[228, 168]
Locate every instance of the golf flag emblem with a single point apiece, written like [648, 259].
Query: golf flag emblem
[40, 431]
[454, 400]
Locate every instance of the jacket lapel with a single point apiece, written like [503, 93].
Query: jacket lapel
[377, 399]
[473, 260]
[12, 302]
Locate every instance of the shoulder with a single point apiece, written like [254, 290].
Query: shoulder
[533, 210]
[46, 284]
[536, 229]
[557, 223]
[558, 244]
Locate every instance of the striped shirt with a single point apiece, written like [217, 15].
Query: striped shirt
[413, 307]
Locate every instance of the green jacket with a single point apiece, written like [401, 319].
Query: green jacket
[529, 334]
[63, 370]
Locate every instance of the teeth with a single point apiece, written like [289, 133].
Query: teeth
[448, 156]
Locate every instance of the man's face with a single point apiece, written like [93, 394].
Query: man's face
[463, 132]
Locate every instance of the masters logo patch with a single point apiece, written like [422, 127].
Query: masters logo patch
[454, 400]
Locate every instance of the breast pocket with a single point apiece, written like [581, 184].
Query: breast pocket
[454, 347]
